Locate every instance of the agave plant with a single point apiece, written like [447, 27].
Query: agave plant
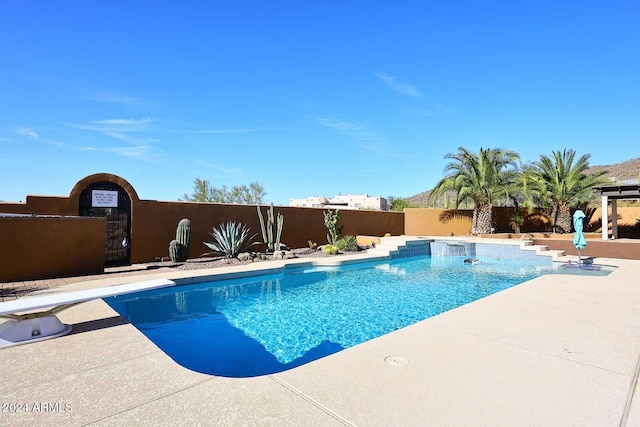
[230, 239]
[347, 244]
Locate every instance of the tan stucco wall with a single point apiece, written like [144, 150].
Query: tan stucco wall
[627, 217]
[153, 223]
[443, 222]
[437, 222]
[37, 248]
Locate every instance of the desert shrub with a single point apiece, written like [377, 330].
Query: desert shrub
[330, 249]
[387, 234]
[312, 245]
[347, 244]
[516, 221]
[230, 239]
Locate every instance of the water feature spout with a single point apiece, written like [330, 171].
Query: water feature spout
[455, 249]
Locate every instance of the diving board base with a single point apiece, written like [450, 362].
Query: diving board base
[23, 328]
[24, 331]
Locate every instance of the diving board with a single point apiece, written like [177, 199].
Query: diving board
[40, 325]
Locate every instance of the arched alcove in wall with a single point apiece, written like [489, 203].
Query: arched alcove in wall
[110, 197]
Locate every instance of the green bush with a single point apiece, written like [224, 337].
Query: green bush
[230, 239]
[347, 244]
[330, 250]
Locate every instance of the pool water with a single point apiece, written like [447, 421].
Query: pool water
[266, 324]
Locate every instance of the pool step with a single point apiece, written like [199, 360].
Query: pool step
[541, 250]
[389, 246]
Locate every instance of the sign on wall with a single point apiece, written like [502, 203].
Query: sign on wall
[104, 199]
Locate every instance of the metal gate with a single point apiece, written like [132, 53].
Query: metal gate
[110, 201]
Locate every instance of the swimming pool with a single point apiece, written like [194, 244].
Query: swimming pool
[270, 323]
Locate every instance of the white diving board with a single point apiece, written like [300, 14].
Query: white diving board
[37, 326]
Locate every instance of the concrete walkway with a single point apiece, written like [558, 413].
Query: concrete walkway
[554, 351]
[11, 290]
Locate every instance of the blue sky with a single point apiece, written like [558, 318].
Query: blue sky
[306, 97]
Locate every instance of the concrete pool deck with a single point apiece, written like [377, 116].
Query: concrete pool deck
[557, 350]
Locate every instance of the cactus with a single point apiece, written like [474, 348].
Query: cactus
[331, 222]
[268, 228]
[180, 247]
[175, 251]
[183, 235]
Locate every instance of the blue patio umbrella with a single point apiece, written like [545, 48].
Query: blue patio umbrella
[578, 239]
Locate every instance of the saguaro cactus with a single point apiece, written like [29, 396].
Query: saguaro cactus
[268, 229]
[183, 234]
[175, 251]
[179, 247]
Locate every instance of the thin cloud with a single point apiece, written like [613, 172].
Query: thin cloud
[231, 131]
[131, 139]
[30, 133]
[141, 151]
[115, 125]
[352, 129]
[436, 110]
[226, 171]
[130, 131]
[368, 140]
[403, 88]
[340, 125]
[144, 152]
[221, 131]
[120, 129]
[115, 98]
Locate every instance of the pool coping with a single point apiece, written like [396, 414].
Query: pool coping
[471, 365]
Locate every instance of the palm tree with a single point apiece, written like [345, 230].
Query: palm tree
[561, 184]
[523, 189]
[483, 178]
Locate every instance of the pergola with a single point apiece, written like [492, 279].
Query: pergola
[615, 193]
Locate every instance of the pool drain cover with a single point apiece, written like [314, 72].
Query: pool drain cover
[396, 361]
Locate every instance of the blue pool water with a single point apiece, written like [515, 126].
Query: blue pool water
[265, 324]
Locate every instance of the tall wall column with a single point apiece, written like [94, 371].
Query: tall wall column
[605, 219]
[614, 218]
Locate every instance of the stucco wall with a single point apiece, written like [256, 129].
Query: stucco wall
[37, 247]
[154, 225]
[437, 222]
[443, 222]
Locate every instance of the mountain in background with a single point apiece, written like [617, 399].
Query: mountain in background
[619, 172]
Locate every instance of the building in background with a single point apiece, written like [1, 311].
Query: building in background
[350, 201]
[310, 202]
